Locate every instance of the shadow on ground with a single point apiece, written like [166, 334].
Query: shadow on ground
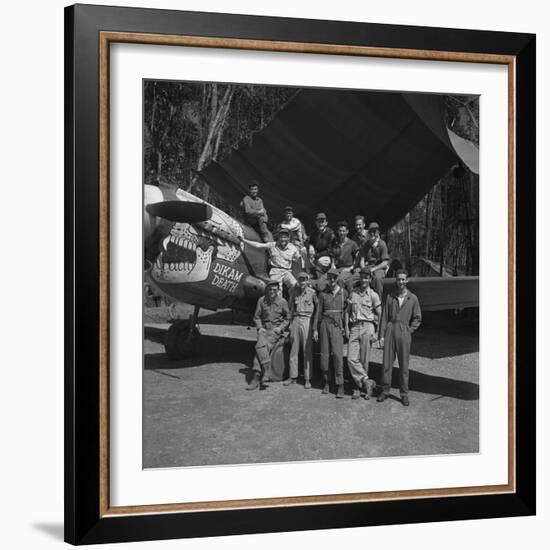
[446, 334]
[219, 349]
[427, 383]
[212, 349]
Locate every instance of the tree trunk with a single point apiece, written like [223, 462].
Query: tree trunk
[428, 233]
[408, 245]
[216, 125]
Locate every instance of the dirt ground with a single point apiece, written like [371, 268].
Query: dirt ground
[197, 411]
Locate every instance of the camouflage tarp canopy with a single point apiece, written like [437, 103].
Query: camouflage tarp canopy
[343, 152]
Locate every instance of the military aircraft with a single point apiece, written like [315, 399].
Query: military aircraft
[341, 152]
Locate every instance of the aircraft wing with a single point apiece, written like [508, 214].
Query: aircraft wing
[343, 152]
[438, 293]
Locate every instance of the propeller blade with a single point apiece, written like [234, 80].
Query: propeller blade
[180, 211]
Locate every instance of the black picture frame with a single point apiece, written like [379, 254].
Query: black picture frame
[84, 521]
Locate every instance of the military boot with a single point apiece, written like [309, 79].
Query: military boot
[326, 387]
[254, 382]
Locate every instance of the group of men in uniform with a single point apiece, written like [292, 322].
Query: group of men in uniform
[336, 295]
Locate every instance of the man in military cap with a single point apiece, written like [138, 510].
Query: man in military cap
[254, 212]
[374, 254]
[331, 312]
[283, 255]
[363, 313]
[271, 319]
[303, 306]
[321, 242]
[296, 229]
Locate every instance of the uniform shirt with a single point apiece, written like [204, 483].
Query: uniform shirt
[282, 258]
[408, 314]
[344, 253]
[322, 242]
[361, 238]
[297, 231]
[332, 306]
[251, 207]
[302, 304]
[271, 314]
[374, 253]
[363, 305]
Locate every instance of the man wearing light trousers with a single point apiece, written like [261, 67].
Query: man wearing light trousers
[363, 313]
[303, 305]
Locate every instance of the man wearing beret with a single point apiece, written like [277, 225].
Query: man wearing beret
[364, 313]
[271, 319]
[401, 316]
[303, 306]
[374, 254]
[331, 312]
[283, 255]
[254, 212]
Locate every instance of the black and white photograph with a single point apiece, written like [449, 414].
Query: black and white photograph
[311, 277]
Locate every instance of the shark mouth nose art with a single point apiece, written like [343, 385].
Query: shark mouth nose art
[186, 255]
[180, 254]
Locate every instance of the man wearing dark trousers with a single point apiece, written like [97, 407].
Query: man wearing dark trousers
[254, 212]
[401, 316]
[271, 319]
[331, 310]
[374, 254]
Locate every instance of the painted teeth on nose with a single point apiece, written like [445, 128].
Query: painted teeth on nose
[181, 266]
[165, 242]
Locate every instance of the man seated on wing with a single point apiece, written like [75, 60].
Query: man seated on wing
[320, 243]
[361, 234]
[343, 254]
[254, 212]
[271, 319]
[374, 254]
[283, 255]
[296, 230]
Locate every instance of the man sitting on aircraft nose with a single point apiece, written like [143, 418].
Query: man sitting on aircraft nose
[282, 256]
[271, 319]
[254, 212]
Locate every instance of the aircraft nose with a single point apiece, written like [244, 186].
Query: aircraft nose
[180, 211]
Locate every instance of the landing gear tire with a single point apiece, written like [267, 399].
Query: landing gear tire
[181, 341]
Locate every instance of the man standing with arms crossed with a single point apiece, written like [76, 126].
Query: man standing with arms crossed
[303, 306]
[331, 311]
[364, 313]
[271, 320]
[401, 316]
